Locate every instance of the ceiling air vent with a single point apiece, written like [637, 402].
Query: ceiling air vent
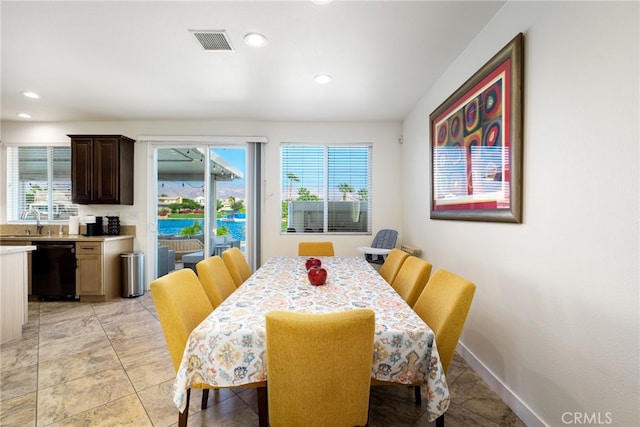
[214, 40]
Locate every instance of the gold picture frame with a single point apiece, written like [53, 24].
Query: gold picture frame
[476, 143]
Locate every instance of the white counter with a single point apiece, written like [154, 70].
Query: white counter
[15, 249]
[14, 292]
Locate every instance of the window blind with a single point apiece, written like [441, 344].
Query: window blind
[39, 178]
[325, 188]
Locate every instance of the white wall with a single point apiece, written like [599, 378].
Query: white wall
[554, 323]
[386, 192]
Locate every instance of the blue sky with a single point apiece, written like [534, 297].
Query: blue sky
[235, 188]
[235, 156]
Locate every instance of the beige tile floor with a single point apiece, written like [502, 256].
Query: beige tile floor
[106, 364]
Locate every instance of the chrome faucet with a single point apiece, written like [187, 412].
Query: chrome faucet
[36, 214]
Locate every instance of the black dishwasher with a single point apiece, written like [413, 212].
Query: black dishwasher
[53, 270]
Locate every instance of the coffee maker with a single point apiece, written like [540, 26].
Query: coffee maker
[94, 226]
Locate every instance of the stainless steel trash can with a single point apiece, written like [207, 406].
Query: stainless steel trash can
[132, 268]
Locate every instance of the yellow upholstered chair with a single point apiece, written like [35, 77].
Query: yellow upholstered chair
[216, 279]
[412, 278]
[315, 249]
[181, 304]
[392, 264]
[443, 305]
[237, 265]
[319, 367]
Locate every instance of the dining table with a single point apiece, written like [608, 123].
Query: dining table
[228, 348]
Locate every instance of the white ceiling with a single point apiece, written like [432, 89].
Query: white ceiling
[121, 60]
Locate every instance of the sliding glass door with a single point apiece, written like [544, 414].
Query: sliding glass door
[201, 202]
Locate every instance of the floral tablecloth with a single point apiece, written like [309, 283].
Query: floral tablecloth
[228, 348]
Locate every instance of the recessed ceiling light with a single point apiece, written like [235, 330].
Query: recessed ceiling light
[255, 40]
[322, 2]
[322, 78]
[24, 115]
[30, 94]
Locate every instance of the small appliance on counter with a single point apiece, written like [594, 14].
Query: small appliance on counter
[74, 225]
[94, 225]
[113, 225]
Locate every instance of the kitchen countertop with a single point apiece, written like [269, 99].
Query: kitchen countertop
[62, 238]
[15, 249]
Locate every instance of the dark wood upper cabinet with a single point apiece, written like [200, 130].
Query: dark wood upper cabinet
[102, 169]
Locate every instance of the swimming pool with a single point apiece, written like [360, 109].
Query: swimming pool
[173, 226]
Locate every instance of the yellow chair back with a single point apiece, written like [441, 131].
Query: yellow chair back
[319, 367]
[237, 265]
[392, 264]
[315, 249]
[412, 278]
[181, 304]
[444, 305]
[216, 279]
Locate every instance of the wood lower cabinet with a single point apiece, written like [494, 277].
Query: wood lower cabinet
[98, 265]
[98, 272]
[89, 269]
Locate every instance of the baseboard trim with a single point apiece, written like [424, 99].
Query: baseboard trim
[516, 404]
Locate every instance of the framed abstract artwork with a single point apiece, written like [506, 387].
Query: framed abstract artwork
[476, 143]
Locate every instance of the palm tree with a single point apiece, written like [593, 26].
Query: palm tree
[345, 189]
[238, 205]
[305, 194]
[291, 177]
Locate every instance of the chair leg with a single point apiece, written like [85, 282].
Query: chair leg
[263, 407]
[440, 421]
[182, 416]
[205, 398]
[418, 394]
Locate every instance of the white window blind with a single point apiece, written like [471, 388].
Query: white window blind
[325, 188]
[39, 178]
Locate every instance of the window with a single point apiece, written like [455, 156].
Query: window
[326, 188]
[39, 178]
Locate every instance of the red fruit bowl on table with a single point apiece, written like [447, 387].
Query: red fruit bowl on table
[317, 276]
